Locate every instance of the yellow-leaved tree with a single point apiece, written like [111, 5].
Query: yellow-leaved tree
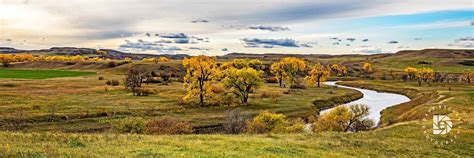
[277, 70]
[367, 68]
[200, 71]
[342, 71]
[163, 59]
[242, 81]
[317, 74]
[6, 59]
[290, 67]
[467, 75]
[411, 72]
[424, 75]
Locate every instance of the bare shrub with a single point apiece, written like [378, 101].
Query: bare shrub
[168, 125]
[234, 122]
[134, 80]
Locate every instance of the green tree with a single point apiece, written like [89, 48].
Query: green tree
[242, 81]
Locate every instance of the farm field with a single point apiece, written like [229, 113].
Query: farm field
[40, 74]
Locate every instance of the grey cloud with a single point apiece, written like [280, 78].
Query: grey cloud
[269, 28]
[392, 42]
[464, 42]
[141, 45]
[351, 39]
[365, 40]
[270, 43]
[200, 21]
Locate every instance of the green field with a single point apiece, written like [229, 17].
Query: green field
[40, 74]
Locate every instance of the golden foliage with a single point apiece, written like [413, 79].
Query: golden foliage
[467, 75]
[424, 75]
[200, 71]
[288, 68]
[317, 74]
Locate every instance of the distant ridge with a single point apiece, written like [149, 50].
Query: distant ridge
[71, 51]
[114, 54]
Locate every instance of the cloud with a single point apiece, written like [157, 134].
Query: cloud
[225, 49]
[142, 45]
[351, 39]
[199, 48]
[365, 40]
[417, 39]
[367, 50]
[269, 28]
[271, 43]
[392, 42]
[464, 42]
[200, 21]
[174, 35]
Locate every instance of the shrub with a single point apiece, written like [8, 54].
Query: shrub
[267, 122]
[234, 122]
[115, 82]
[112, 64]
[101, 78]
[145, 92]
[345, 119]
[272, 80]
[129, 125]
[108, 82]
[270, 94]
[168, 125]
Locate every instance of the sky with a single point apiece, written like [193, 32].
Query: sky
[218, 27]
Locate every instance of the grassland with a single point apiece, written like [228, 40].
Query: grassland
[81, 104]
[40, 74]
[405, 140]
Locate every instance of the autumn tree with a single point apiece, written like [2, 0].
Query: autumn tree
[367, 68]
[6, 59]
[424, 75]
[290, 67]
[335, 68]
[343, 118]
[411, 72]
[277, 70]
[163, 59]
[342, 71]
[242, 81]
[200, 71]
[467, 75]
[318, 73]
[134, 79]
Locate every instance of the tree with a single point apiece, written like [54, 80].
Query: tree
[163, 59]
[277, 70]
[291, 67]
[134, 80]
[467, 75]
[318, 73]
[424, 75]
[242, 81]
[335, 68]
[367, 68]
[256, 64]
[411, 72]
[342, 71]
[6, 59]
[200, 71]
[343, 118]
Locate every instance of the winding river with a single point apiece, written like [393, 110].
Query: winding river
[377, 101]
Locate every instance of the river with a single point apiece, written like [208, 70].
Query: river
[377, 101]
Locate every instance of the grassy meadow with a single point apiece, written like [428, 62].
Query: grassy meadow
[62, 110]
